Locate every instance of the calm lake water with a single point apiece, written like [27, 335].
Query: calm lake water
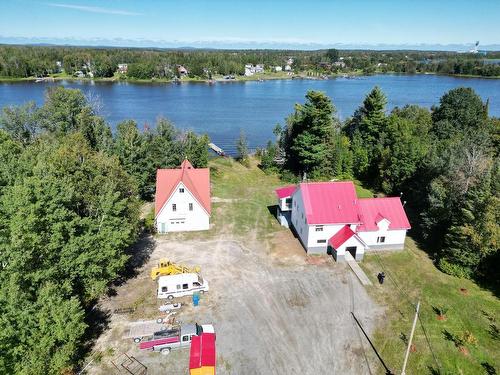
[221, 110]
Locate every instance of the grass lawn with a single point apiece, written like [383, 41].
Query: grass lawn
[251, 192]
[470, 309]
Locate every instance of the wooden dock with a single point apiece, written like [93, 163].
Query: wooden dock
[219, 151]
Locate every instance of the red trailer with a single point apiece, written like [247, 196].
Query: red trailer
[202, 355]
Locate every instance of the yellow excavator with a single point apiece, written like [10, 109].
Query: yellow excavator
[166, 267]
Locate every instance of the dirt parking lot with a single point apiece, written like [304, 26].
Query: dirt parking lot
[275, 310]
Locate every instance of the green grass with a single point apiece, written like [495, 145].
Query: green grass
[251, 192]
[476, 311]
[362, 192]
[245, 195]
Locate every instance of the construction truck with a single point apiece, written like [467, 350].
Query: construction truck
[166, 267]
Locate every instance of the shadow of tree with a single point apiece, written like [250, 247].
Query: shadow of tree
[490, 370]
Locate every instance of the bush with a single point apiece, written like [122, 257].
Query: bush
[149, 221]
[454, 269]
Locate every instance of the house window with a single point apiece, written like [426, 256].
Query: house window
[181, 190]
[174, 207]
[381, 239]
[319, 228]
[321, 241]
[190, 207]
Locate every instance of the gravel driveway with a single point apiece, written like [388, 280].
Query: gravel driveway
[274, 311]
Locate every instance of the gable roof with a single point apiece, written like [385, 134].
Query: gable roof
[341, 236]
[345, 233]
[374, 210]
[196, 180]
[285, 191]
[330, 202]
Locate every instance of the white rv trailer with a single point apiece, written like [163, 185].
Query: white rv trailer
[183, 284]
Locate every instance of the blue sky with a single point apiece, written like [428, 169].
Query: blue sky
[326, 22]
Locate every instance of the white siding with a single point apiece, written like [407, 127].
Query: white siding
[299, 217]
[182, 219]
[392, 238]
[353, 241]
[282, 204]
[326, 234]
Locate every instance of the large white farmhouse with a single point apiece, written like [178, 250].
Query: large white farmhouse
[182, 200]
[328, 217]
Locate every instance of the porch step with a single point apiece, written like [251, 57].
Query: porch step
[357, 269]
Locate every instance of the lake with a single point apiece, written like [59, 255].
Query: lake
[223, 109]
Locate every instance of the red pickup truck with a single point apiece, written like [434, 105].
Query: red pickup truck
[180, 337]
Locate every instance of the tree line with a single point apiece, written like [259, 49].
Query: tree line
[70, 193]
[443, 161]
[40, 61]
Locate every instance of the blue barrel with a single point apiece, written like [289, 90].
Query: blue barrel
[196, 299]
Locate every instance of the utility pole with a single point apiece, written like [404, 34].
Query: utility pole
[403, 372]
[387, 370]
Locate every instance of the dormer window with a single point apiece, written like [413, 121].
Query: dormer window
[181, 190]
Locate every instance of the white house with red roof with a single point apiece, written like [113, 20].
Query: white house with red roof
[182, 199]
[329, 217]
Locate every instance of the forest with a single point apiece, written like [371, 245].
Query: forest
[146, 64]
[71, 190]
[70, 194]
[443, 162]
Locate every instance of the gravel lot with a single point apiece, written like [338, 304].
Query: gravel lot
[275, 310]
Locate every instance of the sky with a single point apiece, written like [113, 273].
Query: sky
[233, 23]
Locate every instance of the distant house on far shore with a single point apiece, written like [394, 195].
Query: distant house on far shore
[251, 69]
[123, 68]
[182, 71]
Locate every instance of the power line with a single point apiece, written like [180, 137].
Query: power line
[405, 296]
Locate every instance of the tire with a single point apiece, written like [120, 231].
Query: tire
[202, 292]
[165, 351]
[170, 297]
[137, 340]
[159, 320]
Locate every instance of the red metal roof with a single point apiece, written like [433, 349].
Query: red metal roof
[373, 210]
[339, 238]
[202, 351]
[196, 180]
[286, 191]
[330, 202]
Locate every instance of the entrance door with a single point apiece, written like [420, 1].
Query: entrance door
[162, 228]
[352, 250]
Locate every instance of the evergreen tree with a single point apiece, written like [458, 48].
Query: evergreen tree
[309, 135]
[242, 149]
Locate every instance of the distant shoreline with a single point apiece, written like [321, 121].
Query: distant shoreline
[254, 78]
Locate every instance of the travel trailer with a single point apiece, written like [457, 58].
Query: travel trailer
[180, 285]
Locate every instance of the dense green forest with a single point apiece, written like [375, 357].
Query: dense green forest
[70, 194]
[41, 61]
[443, 161]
